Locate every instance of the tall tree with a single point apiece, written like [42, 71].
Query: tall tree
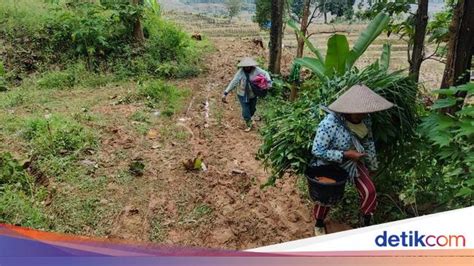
[276, 36]
[460, 46]
[138, 34]
[233, 8]
[417, 56]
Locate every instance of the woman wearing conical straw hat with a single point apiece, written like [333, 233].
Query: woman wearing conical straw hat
[248, 72]
[344, 137]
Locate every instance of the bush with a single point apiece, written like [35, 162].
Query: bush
[290, 129]
[452, 136]
[98, 33]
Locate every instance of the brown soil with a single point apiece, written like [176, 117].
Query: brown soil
[222, 207]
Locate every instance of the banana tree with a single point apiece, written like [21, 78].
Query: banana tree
[339, 57]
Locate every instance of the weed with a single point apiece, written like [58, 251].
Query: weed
[142, 128]
[123, 177]
[157, 233]
[161, 94]
[18, 196]
[16, 207]
[302, 185]
[58, 136]
[140, 116]
[201, 211]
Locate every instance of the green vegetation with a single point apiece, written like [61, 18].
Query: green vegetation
[98, 34]
[159, 94]
[85, 53]
[425, 155]
[19, 198]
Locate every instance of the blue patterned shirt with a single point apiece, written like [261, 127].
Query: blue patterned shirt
[333, 138]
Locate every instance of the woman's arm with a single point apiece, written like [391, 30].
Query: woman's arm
[369, 146]
[321, 144]
[235, 81]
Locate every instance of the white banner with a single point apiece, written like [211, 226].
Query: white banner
[446, 230]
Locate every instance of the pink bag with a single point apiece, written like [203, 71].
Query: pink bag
[261, 81]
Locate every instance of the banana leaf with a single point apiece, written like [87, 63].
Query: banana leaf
[313, 64]
[338, 49]
[373, 30]
[385, 58]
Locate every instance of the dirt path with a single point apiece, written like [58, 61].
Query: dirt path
[216, 208]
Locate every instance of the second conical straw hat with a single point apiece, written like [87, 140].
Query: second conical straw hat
[359, 99]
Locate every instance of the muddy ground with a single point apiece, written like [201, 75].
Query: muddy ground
[223, 207]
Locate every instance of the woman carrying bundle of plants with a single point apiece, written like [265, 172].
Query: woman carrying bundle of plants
[344, 143]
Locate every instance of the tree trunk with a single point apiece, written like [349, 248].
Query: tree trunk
[417, 56]
[325, 12]
[276, 36]
[137, 27]
[303, 28]
[301, 41]
[460, 46]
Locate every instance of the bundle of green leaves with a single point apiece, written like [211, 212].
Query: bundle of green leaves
[290, 126]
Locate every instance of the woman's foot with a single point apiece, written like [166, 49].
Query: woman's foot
[366, 220]
[248, 126]
[319, 231]
[319, 227]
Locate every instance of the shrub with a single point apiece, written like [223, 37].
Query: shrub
[452, 136]
[98, 33]
[290, 128]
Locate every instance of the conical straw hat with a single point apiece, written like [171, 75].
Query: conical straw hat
[247, 62]
[359, 99]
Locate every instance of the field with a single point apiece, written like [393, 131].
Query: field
[245, 30]
[224, 207]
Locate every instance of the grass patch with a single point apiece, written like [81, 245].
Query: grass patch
[19, 198]
[140, 116]
[157, 232]
[201, 211]
[166, 97]
[76, 75]
[58, 136]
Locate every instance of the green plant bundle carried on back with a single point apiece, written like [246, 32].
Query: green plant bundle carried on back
[290, 126]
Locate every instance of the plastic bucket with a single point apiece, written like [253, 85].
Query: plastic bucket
[326, 194]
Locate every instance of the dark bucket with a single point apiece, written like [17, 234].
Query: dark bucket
[324, 193]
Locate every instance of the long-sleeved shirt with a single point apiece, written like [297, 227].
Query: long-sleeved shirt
[333, 138]
[240, 79]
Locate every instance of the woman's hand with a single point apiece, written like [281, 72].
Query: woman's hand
[224, 98]
[354, 155]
